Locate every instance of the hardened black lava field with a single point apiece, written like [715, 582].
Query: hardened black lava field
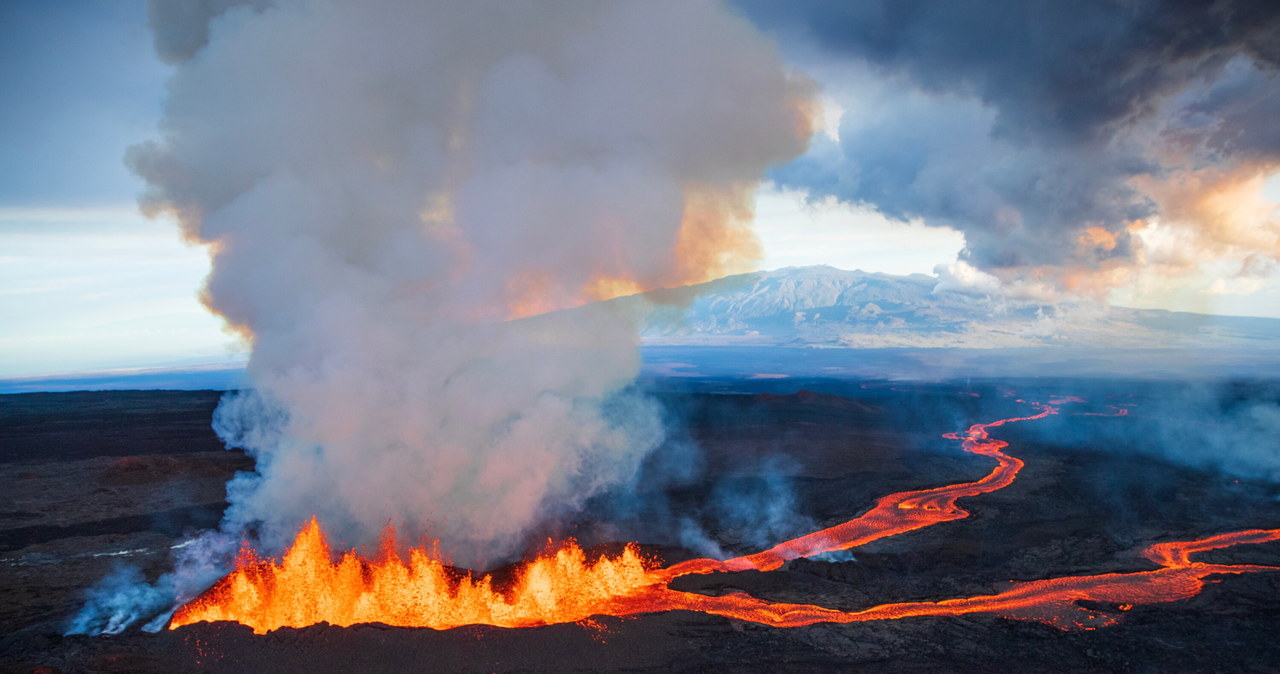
[93, 481]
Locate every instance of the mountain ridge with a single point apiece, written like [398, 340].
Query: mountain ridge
[826, 307]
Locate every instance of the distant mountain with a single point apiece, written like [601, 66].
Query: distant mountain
[857, 325]
[828, 307]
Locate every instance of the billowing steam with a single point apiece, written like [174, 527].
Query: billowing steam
[382, 183]
[1072, 144]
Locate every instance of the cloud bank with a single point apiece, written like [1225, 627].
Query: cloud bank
[1070, 143]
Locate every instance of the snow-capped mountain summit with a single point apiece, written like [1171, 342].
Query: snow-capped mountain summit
[828, 307]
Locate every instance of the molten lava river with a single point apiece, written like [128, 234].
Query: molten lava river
[563, 585]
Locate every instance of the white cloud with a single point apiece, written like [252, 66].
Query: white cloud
[795, 233]
[97, 288]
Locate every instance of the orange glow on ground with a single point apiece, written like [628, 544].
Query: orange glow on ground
[563, 585]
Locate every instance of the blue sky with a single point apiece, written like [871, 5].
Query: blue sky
[87, 283]
[81, 82]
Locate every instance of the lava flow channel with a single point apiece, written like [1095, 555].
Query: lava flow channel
[1056, 601]
[562, 585]
[892, 515]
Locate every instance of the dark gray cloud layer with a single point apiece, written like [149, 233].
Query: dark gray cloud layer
[1023, 124]
[1060, 69]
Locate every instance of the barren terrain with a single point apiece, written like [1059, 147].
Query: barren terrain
[92, 480]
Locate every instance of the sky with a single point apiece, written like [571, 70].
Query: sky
[86, 282]
[1097, 152]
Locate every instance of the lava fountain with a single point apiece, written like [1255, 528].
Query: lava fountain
[307, 587]
[564, 585]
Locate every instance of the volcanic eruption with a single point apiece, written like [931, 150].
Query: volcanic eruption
[395, 180]
[561, 585]
[399, 199]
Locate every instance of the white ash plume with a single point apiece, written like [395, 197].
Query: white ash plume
[382, 183]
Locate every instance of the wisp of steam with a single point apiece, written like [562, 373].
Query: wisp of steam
[386, 187]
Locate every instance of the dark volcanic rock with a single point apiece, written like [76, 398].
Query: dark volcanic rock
[75, 499]
[92, 480]
[86, 424]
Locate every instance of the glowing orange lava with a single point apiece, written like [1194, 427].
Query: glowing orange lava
[307, 586]
[1055, 601]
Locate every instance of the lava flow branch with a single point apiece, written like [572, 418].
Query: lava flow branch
[563, 585]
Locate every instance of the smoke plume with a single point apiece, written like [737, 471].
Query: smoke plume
[1071, 143]
[381, 184]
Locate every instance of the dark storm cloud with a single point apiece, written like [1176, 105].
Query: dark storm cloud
[1023, 123]
[1233, 117]
[1064, 69]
